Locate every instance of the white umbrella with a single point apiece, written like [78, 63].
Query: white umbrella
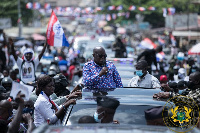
[23, 42]
[195, 50]
[121, 30]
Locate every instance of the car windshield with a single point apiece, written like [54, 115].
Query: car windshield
[133, 104]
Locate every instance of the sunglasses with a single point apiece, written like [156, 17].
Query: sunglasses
[100, 56]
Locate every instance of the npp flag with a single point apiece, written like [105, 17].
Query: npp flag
[29, 5]
[55, 33]
[164, 12]
[171, 11]
[131, 8]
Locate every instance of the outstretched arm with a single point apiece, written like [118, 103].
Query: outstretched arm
[28, 119]
[12, 48]
[141, 55]
[42, 52]
[14, 126]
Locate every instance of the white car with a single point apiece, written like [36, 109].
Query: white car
[80, 41]
[107, 40]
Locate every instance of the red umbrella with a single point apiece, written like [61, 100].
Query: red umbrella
[195, 50]
[38, 37]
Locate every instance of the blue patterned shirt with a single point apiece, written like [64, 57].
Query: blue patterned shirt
[92, 80]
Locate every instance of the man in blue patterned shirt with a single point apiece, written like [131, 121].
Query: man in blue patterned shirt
[99, 74]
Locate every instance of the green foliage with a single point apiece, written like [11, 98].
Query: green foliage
[9, 8]
[155, 18]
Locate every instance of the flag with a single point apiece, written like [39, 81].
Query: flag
[55, 34]
[108, 17]
[171, 10]
[131, 8]
[114, 16]
[127, 14]
[123, 13]
[99, 8]
[151, 8]
[36, 5]
[88, 9]
[59, 9]
[120, 7]
[173, 40]
[47, 6]
[77, 9]
[141, 9]
[42, 11]
[103, 17]
[161, 41]
[68, 9]
[29, 5]
[164, 12]
[119, 14]
[111, 8]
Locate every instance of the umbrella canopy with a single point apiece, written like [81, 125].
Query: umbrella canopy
[88, 20]
[102, 23]
[147, 44]
[195, 50]
[23, 42]
[108, 28]
[38, 37]
[121, 30]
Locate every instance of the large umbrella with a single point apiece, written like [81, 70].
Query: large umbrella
[23, 42]
[195, 50]
[102, 23]
[121, 30]
[107, 28]
[147, 44]
[36, 36]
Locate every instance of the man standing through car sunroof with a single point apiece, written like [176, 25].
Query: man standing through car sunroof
[99, 74]
[143, 78]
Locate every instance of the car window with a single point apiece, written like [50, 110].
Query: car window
[125, 114]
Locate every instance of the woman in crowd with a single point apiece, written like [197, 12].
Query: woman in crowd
[46, 111]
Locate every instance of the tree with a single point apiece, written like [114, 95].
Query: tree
[9, 8]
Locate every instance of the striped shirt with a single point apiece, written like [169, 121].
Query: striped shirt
[92, 80]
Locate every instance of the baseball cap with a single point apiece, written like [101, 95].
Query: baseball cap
[163, 78]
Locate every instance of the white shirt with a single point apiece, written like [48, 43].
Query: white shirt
[26, 71]
[148, 81]
[43, 110]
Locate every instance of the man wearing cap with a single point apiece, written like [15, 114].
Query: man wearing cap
[28, 64]
[99, 74]
[143, 78]
[164, 85]
[193, 88]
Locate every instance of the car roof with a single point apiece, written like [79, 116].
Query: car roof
[133, 103]
[105, 128]
[130, 113]
[128, 95]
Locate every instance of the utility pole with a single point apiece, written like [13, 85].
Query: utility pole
[19, 20]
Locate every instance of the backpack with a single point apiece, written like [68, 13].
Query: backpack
[33, 66]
